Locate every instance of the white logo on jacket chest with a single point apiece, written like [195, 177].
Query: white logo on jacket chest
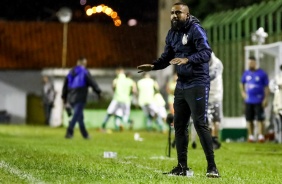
[185, 39]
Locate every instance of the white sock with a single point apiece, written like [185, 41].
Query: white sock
[260, 137]
[251, 137]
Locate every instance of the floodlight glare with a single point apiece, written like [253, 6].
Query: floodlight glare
[64, 15]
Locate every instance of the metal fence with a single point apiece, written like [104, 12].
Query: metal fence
[229, 32]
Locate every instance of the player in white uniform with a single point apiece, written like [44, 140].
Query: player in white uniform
[277, 106]
[147, 87]
[215, 98]
[120, 104]
[159, 110]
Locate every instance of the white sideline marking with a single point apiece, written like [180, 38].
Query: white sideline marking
[141, 166]
[152, 158]
[145, 167]
[131, 157]
[161, 158]
[19, 173]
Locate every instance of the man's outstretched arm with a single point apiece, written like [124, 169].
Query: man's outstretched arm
[145, 68]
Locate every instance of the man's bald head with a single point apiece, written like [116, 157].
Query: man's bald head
[184, 6]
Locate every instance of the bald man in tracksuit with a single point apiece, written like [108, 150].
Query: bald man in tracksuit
[187, 48]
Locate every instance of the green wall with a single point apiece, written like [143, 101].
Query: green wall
[229, 32]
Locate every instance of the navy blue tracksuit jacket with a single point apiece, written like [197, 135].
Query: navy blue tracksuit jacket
[196, 49]
[76, 85]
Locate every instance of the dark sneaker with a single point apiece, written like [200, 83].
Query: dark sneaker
[173, 144]
[178, 171]
[215, 143]
[68, 136]
[194, 145]
[212, 172]
[69, 133]
[87, 137]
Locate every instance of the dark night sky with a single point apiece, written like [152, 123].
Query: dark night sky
[43, 10]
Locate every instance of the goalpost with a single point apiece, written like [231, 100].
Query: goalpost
[269, 58]
[264, 54]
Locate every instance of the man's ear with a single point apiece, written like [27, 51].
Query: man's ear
[188, 15]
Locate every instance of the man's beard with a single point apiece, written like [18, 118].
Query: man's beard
[177, 24]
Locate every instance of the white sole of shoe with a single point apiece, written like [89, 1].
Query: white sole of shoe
[210, 175]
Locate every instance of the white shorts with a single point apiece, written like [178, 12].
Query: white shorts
[119, 109]
[158, 111]
[162, 112]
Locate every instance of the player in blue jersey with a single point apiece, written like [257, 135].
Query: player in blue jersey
[255, 91]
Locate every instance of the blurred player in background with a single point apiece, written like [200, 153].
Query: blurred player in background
[277, 106]
[133, 95]
[147, 87]
[48, 98]
[215, 98]
[159, 110]
[170, 87]
[75, 90]
[123, 87]
[255, 91]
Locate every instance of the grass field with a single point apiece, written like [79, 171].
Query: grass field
[31, 154]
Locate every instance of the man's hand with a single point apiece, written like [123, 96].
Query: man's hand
[145, 68]
[244, 95]
[179, 61]
[264, 102]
